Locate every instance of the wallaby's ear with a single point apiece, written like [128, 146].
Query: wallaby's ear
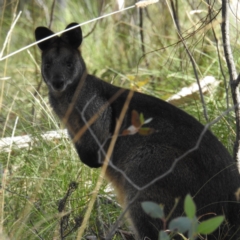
[41, 33]
[73, 37]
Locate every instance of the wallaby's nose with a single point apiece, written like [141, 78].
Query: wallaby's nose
[58, 85]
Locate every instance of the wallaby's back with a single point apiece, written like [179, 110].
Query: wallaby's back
[208, 173]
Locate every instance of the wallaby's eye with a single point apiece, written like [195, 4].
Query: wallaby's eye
[47, 65]
[69, 65]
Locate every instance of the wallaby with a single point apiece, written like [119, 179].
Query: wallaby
[209, 173]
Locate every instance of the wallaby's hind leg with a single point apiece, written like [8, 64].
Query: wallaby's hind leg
[145, 164]
[234, 217]
[145, 226]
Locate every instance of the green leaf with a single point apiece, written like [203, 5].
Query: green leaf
[210, 225]
[141, 117]
[189, 206]
[145, 131]
[152, 209]
[180, 224]
[163, 236]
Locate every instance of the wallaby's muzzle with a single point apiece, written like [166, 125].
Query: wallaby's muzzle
[58, 86]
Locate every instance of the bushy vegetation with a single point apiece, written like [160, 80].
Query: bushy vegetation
[36, 181]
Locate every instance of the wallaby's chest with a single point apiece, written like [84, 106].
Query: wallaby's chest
[67, 112]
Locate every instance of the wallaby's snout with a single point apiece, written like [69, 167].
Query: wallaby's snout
[58, 85]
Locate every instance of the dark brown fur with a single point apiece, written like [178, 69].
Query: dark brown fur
[209, 173]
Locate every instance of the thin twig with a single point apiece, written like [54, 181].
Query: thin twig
[51, 14]
[211, 18]
[36, 231]
[226, 83]
[142, 35]
[192, 62]
[95, 24]
[234, 79]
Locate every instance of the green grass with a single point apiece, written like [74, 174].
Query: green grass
[37, 178]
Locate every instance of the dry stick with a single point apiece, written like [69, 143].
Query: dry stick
[142, 36]
[35, 230]
[220, 61]
[226, 84]
[95, 24]
[61, 208]
[192, 62]
[234, 79]
[105, 165]
[218, 51]
[51, 15]
[175, 14]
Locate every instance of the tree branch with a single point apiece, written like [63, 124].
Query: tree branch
[174, 15]
[234, 79]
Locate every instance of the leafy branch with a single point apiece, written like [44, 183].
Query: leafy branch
[183, 224]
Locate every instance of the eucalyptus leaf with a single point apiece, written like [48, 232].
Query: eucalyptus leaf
[210, 225]
[180, 224]
[189, 207]
[153, 209]
[163, 236]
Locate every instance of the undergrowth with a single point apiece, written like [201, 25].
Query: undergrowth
[36, 179]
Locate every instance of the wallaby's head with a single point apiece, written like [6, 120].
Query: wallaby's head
[62, 64]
